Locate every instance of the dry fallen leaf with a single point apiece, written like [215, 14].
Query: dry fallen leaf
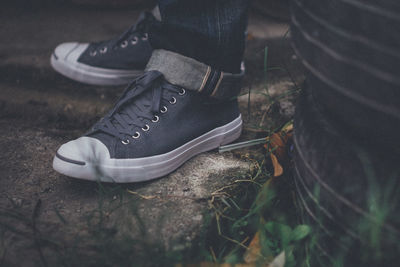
[253, 253]
[276, 147]
[278, 170]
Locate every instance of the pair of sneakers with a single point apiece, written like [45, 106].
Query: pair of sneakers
[174, 109]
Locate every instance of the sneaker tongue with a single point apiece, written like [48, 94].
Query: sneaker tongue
[141, 25]
[142, 17]
[135, 90]
[146, 18]
[141, 100]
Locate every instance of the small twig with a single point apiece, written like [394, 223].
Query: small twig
[141, 196]
[248, 181]
[221, 214]
[218, 191]
[213, 254]
[218, 223]
[150, 197]
[241, 244]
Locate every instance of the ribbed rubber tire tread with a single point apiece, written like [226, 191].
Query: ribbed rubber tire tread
[351, 49]
[335, 178]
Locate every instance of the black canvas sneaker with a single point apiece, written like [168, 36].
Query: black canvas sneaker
[176, 110]
[112, 62]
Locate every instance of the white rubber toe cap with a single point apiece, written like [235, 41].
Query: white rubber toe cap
[82, 158]
[70, 51]
[84, 150]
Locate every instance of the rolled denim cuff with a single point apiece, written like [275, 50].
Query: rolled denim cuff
[194, 75]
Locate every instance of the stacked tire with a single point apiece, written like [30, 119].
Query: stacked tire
[347, 127]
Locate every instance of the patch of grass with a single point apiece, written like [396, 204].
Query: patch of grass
[233, 226]
[268, 207]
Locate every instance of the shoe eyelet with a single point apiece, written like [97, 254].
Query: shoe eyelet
[163, 109]
[134, 41]
[155, 119]
[172, 101]
[145, 37]
[93, 53]
[124, 44]
[146, 128]
[103, 50]
[182, 92]
[125, 142]
[136, 135]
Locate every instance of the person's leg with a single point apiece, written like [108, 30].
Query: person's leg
[210, 31]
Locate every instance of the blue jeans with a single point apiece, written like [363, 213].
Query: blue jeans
[210, 31]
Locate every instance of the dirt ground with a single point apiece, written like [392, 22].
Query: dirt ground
[47, 219]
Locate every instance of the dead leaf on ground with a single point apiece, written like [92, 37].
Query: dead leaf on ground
[277, 146]
[253, 253]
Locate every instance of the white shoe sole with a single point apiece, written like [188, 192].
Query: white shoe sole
[147, 168]
[93, 75]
